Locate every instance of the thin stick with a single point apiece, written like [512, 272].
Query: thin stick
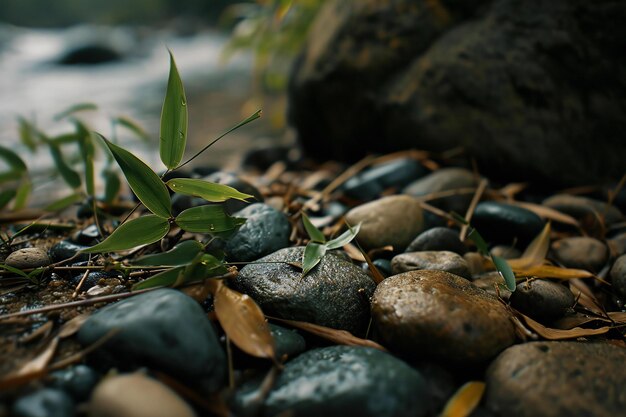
[470, 210]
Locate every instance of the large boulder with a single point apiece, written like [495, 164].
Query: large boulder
[531, 89]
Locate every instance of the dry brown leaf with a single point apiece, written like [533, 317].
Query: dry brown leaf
[547, 271]
[618, 316]
[376, 275]
[244, 322]
[73, 326]
[585, 297]
[354, 253]
[41, 332]
[465, 400]
[560, 334]
[341, 337]
[470, 210]
[548, 213]
[536, 252]
[33, 369]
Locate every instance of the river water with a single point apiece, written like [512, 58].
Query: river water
[32, 85]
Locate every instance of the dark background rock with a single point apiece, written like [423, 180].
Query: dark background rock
[532, 89]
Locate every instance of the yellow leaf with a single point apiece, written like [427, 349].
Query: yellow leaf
[465, 400]
[547, 271]
[536, 252]
[244, 322]
[560, 334]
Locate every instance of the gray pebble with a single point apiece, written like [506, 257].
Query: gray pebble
[581, 252]
[47, 402]
[542, 300]
[433, 260]
[28, 258]
[618, 276]
[438, 238]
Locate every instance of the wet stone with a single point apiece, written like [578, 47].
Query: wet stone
[78, 381]
[554, 379]
[92, 279]
[493, 283]
[581, 252]
[617, 244]
[370, 184]
[343, 380]
[383, 265]
[162, 329]
[88, 236]
[28, 258]
[434, 260]
[504, 223]
[47, 402]
[287, 342]
[66, 249]
[393, 220]
[438, 239]
[542, 300]
[445, 179]
[136, 395]
[584, 209]
[266, 230]
[618, 276]
[435, 314]
[334, 294]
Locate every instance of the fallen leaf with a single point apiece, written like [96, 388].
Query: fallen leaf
[243, 321]
[341, 337]
[41, 332]
[465, 400]
[33, 369]
[560, 334]
[547, 271]
[548, 213]
[354, 253]
[535, 253]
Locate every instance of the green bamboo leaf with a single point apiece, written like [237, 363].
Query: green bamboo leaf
[478, 240]
[140, 231]
[132, 126]
[65, 139]
[23, 192]
[314, 233]
[173, 135]
[207, 219]
[12, 159]
[162, 279]
[9, 176]
[64, 202]
[313, 254]
[87, 151]
[28, 134]
[505, 270]
[112, 185]
[70, 176]
[204, 189]
[6, 196]
[181, 254]
[345, 238]
[204, 266]
[74, 109]
[146, 185]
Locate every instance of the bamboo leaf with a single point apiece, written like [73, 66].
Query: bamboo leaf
[146, 185]
[313, 254]
[181, 254]
[74, 109]
[6, 196]
[173, 136]
[132, 126]
[70, 176]
[244, 322]
[207, 219]
[505, 270]
[162, 279]
[465, 400]
[28, 134]
[14, 270]
[549, 271]
[140, 231]
[559, 334]
[87, 151]
[314, 233]
[23, 192]
[345, 238]
[478, 240]
[112, 185]
[64, 202]
[12, 159]
[210, 191]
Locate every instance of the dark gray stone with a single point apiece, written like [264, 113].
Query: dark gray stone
[383, 265]
[542, 300]
[586, 210]
[581, 252]
[87, 236]
[287, 342]
[343, 380]
[370, 184]
[47, 402]
[520, 85]
[617, 244]
[556, 379]
[78, 381]
[266, 230]
[335, 293]
[65, 250]
[162, 329]
[438, 315]
[438, 238]
[504, 223]
[433, 260]
[445, 179]
[92, 279]
[618, 276]
[28, 258]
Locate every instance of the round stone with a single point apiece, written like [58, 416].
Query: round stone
[78, 381]
[434, 260]
[438, 238]
[66, 250]
[440, 315]
[162, 329]
[136, 395]
[47, 402]
[345, 380]
[618, 276]
[587, 210]
[287, 342]
[393, 220]
[334, 294]
[554, 379]
[266, 230]
[581, 252]
[542, 299]
[504, 223]
[92, 279]
[445, 179]
[28, 258]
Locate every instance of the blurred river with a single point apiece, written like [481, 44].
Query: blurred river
[35, 86]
